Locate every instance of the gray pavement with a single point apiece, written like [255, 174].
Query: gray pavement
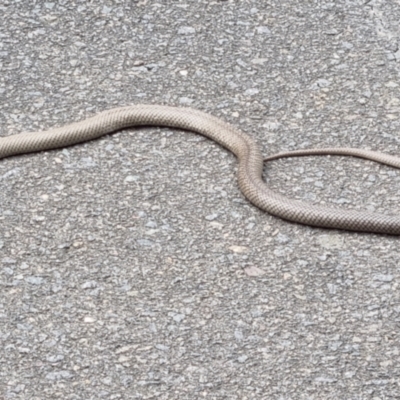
[133, 268]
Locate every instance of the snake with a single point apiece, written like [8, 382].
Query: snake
[243, 146]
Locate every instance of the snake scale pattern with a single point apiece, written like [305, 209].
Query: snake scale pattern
[239, 143]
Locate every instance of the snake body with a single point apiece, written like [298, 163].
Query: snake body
[239, 143]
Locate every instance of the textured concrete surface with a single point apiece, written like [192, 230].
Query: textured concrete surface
[133, 268]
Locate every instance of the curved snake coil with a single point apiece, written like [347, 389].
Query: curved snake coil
[239, 143]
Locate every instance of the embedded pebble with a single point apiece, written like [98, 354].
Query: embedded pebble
[133, 267]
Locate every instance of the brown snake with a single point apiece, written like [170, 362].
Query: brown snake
[239, 143]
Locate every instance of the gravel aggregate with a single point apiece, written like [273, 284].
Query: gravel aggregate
[132, 267]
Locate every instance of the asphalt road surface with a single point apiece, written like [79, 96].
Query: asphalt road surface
[132, 267]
